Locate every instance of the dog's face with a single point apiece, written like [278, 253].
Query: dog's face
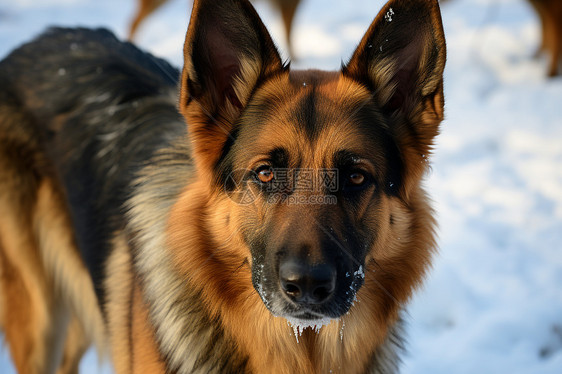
[320, 166]
[311, 162]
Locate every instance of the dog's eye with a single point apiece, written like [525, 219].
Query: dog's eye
[265, 174]
[356, 178]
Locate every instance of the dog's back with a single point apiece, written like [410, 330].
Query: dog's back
[94, 102]
[81, 109]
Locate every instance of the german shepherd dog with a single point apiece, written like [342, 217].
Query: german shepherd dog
[550, 14]
[281, 231]
[287, 8]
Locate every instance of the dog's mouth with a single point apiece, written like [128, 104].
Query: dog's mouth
[333, 309]
[306, 316]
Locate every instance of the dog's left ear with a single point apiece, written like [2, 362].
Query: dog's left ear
[227, 52]
[401, 60]
[402, 56]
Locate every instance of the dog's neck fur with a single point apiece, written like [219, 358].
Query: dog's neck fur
[228, 332]
[241, 323]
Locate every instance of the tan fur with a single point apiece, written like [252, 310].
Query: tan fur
[381, 72]
[145, 8]
[34, 283]
[119, 300]
[30, 301]
[62, 260]
[145, 351]
[133, 346]
[250, 70]
[550, 14]
[43, 280]
[132, 340]
[288, 9]
[75, 346]
[23, 319]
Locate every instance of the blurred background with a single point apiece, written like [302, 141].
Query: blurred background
[493, 302]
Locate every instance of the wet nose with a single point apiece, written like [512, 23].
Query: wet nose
[306, 284]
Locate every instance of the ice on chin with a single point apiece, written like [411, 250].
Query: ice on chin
[299, 325]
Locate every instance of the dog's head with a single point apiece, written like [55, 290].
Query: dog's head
[322, 170]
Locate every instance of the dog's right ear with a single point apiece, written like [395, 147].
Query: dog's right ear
[227, 52]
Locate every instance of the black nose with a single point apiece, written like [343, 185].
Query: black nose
[307, 284]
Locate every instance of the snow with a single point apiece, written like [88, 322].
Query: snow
[299, 325]
[493, 301]
[388, 15]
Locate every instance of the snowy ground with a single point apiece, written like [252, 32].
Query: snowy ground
[493, 303]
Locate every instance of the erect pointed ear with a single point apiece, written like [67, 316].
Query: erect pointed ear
[227, 52]
[401, 60]
[402, 56]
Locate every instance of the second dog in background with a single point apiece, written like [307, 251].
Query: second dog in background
[288, 9]
[550, 14]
